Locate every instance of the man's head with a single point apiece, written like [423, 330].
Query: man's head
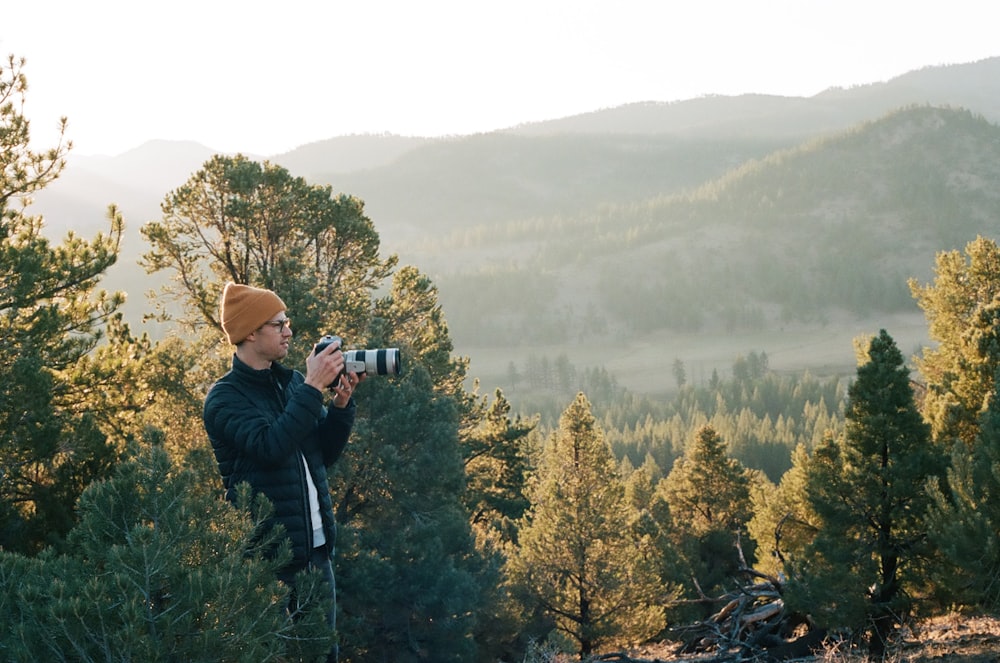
[245, 309]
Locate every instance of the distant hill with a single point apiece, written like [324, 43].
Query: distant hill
[650, 225]
[975, 86]
[835, 225]
[345, 154]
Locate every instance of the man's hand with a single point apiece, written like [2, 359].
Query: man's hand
[344, 387]
[324, 367]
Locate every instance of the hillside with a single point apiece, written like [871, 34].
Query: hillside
[810, 242]
[839, 223]
[974, 85]
[697, 230]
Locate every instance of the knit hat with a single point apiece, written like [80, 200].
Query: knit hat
[245, 308]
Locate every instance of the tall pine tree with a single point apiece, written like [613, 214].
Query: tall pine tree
[964, 322]
[867, 490]
[577, 561]
[72, 382]
[783, 522]
[708, 496]
[411, 581]
[964, 521]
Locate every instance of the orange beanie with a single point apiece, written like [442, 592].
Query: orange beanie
[245, 308]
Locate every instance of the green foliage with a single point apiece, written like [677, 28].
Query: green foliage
[867, 490]
[238, 220]
[964, 321]
[411, 580]
[23, 171]
[409, 577]
[72, 387]
[496, 469]
[964, 521]
[411, 314]
[706, 489]
[709, 254]
[179, 372]
[577, 561]
[763, 415]
[708, 496]
[158, 569]
[783, 522]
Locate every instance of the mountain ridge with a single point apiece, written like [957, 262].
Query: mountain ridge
[540, 193]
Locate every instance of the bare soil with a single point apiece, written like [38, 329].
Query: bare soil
[948, 639]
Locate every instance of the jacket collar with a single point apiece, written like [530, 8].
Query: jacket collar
[278, 371]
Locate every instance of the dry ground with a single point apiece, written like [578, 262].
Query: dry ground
[948, 639]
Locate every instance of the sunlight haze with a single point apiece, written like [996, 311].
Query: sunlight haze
[263, 78]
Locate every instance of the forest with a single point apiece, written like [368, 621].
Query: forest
[470, 529]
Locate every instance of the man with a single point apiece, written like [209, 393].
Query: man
[268, 426]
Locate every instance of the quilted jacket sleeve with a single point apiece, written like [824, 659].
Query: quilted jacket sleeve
[334, 431]
[253, 430]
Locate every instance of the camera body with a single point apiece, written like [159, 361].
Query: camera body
[381, 361]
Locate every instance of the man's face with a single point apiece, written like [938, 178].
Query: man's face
[273, 336]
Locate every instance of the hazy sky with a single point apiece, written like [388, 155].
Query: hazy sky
[264, 77]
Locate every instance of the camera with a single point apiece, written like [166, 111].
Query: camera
[382, 361]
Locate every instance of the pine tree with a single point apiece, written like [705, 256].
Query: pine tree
[867, 490]
[708, 496]
[577, 561]
[72, 385]
[411, 580]
[496, 467]
[783, 522]
[158, 569]
[964, 321]
[495, 455]
[964, 521]
[239, 220]
[408, 574]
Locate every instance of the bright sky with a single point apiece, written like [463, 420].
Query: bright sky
[265, 76]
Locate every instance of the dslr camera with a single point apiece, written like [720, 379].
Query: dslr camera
[382, 361]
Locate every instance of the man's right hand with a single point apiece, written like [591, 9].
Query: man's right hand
[324, 367]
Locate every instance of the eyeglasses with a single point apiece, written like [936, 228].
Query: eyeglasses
[279, 324]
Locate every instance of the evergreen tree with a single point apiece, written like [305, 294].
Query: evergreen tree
[398, 488]
[963, 316]
[238, 220]
[867, 490]
[72, 383]
[411, 580]
[408, 574]
[964, 522]
[783, 522]
[651, 527]
[158, 569]
[495, 454]
[23, 171]
[577, 561]
[708, 496]
[496, 467]
[680, 375]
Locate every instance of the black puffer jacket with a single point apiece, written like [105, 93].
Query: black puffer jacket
[260, 424]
